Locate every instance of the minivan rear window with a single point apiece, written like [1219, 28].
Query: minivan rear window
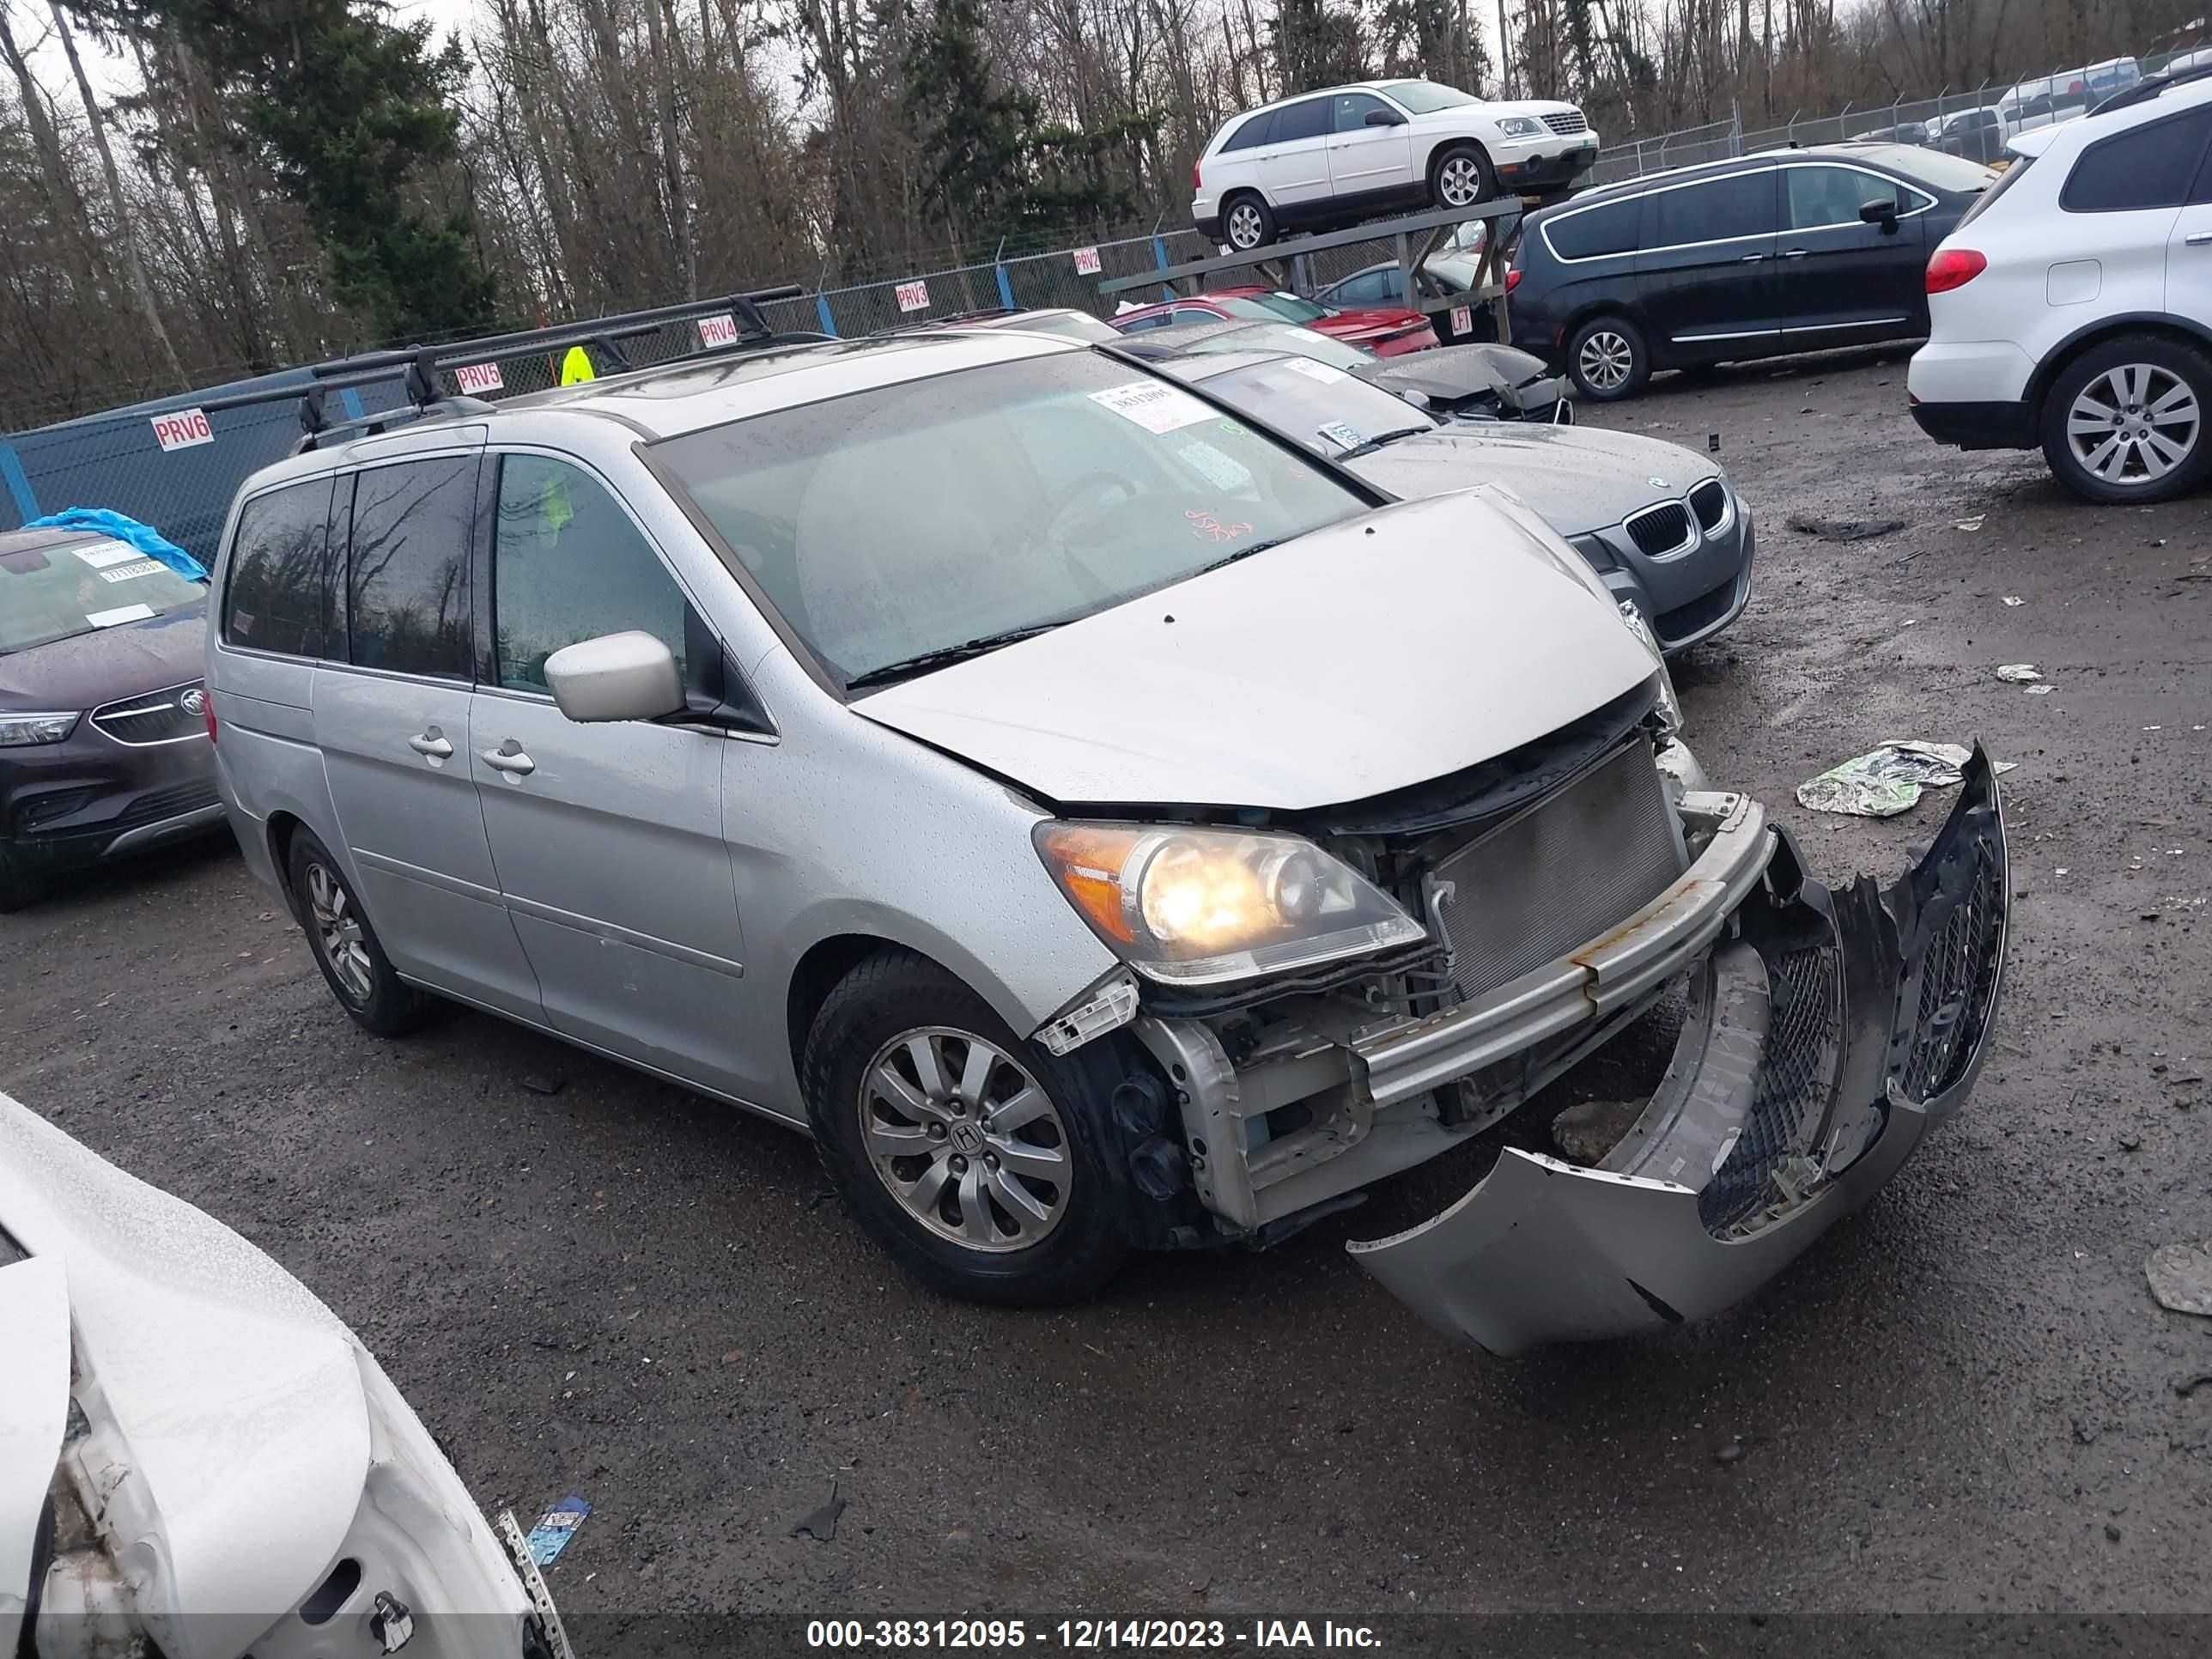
[1720, 211]
[283, 590]
[407, 583]
[1595, 231]
[1253, 132]
[1294, 121]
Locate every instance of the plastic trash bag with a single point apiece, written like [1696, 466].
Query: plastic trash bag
[1887, 780]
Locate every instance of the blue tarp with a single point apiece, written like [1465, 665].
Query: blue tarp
[147, 539]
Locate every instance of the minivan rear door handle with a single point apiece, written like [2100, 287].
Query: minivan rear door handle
[2198, 237]
[1753, 259]
[509, 758]
[1795, 253]
[431, 744]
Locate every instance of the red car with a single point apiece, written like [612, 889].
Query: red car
[1386, 331]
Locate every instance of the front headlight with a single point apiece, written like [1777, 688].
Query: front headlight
[1521, 126]
[1670, 705]
[17, 731]
[1193, 906]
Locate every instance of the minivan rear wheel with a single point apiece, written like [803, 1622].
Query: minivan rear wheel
[978, 1160]
[360, 975]
[2125, 421]
[1608, 359]
[1249, 222]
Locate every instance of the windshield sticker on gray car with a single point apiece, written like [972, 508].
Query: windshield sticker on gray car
[1155, 407]
[121, 614]
[1339, 435]
[105, 558]
[1217, 469]
[124, 572]
[1314, 371]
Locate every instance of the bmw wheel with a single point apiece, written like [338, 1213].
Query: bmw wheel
[1249, 222]
[2125, 422]
[979, 1161]
[1607, 358]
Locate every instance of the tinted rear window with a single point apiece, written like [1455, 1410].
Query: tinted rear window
[283, 590]
[1741, 205]
[2147, 166]
[1306, 120]
[1253, 132]
[1595, 231]
[408, 583]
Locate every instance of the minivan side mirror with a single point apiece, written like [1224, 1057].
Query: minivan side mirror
[1880, 213]
[615, 677]
[1385, 117]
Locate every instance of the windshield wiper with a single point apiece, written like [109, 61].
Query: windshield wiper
[1261, 546]
[945, 655]
[1381, 438]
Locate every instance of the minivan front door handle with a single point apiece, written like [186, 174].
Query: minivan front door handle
[2198, 237]
[431, 744]
[1753, 259]
[1795, 253]
[509, 758]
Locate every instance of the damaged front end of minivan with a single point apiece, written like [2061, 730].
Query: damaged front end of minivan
[1565, 894]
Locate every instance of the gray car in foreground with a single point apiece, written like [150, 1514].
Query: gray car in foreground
[1100, 821]
[1663, 528]
[103, 735]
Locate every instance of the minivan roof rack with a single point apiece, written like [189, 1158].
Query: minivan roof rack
[2151, 86]
[418, 368]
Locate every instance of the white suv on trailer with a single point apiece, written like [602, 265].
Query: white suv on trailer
[1324, 160]
[2072, 306]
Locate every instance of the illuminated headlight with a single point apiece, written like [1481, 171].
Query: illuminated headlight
[1196, 906]
[1521, 126]
[1670, 706]
[17, 731]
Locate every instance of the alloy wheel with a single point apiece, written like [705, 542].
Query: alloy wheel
[1245, 226]
[2133, 424]
[338, 932]
[1605, 360]
[1459, 182]
[965, 1139]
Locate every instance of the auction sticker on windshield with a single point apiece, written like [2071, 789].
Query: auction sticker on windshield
[1314, 371]
[107, 558]
[1153, 406]
[1339, 435]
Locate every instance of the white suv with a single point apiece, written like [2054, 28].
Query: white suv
[2072, 306]
[1326, 159]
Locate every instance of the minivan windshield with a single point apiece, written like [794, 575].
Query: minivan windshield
[79, 586]
[917, 519]
[1954, 173]
[1426, 97]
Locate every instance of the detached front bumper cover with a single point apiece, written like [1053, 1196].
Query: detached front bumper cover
[1822, 1042]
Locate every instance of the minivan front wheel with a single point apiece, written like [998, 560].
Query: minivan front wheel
[977, 1159]
[1249, 222]
[1608, 360]
[2125, 422]
[360, 975]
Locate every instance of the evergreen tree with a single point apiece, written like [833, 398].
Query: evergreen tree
[994, 166]
[348, 111]
[1317, 44]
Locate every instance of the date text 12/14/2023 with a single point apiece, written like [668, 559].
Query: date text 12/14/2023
[996, 1635]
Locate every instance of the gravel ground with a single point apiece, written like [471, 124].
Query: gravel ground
[1963, 1399]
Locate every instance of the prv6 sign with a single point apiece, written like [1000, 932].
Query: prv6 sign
[181, 428]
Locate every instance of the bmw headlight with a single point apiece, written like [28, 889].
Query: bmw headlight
[19, 731]
[1193, 906]
[1521, 126]
[1670, 705]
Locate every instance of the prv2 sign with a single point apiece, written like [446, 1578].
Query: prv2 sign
[1086, 262]
[182, 428]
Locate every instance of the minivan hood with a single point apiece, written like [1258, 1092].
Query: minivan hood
[1578, 478]
[108, 662]
[237, 1393]
[1395, 648]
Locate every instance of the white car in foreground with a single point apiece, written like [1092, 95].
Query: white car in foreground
[2072, 306]
[1327, 159]
[198, 1460]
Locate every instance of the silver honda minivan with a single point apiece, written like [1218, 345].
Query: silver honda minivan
[1101, 823]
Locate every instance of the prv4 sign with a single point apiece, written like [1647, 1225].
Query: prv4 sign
[182, 428]
[719, 329]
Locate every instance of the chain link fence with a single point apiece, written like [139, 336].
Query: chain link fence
[2033, 100]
